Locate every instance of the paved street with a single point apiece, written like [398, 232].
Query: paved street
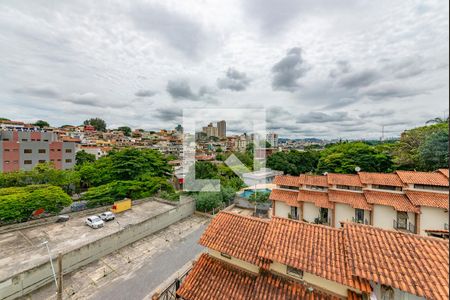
[136, 270]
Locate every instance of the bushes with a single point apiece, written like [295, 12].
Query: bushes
[207, 201]
[18, 203]
[117, 190]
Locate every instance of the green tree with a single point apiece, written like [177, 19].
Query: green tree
[345, 157]
[207, 201]
[125, 129]
[433, 152]
[294, 162]
[41, 124]
[99, 124]
[206, 170]
[4, 119]
[83, 157]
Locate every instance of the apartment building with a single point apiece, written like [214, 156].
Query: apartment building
[23, 150]
[251, 258]
[416, 202]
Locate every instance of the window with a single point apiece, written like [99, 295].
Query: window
[350, 188]
[42, 161]
[225, 255]
[6, 162]
[402, 219]
[24, 140]
[42, 151]
[359, 215]
[27, 151]
[27, 162]
[6, 139]
[68, 160]
[6, 150]
[315, 187]
[45, 140]
[68, 150]
[294, 213]
[294, 272]
[288, 187]
[386, 187]
[430, 187]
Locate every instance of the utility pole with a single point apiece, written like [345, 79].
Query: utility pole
[60, 277]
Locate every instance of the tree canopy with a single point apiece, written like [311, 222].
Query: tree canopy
[294, 162]
[99, 124]
[83, 157]
[125, 129]
[41, 124]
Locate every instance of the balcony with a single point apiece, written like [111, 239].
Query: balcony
[404, 225]
[322, 221]
[359, 221]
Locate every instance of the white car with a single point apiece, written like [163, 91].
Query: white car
[94, 222]
[107, 216]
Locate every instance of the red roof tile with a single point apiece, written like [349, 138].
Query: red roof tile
[425, 178]
[411, 263]
[444, 172]
[235, 235]
[355, 200]
[316, 180]
[211, 278]
[380, 179]
[430, 199]
[398, 201]
[289, 197]
[320, 199]
[312, 248]
[286, 180]
[344, 179]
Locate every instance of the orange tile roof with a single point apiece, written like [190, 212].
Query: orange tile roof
[317, 180]
[344, 179]
[398, 201]
[289, 197]
[411, 263]
[430, 199]
[286, 180]
[391, 179]
[353, 296]
[241, 239]
[320, 199]
[444, 172]
[211, 278]
[312, 248]
[425, 178]
[356, 200]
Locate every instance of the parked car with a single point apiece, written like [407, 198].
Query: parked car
[94, 222]
[62, 218]
[107, 216]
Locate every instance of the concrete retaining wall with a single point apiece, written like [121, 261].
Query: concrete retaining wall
[32, 279]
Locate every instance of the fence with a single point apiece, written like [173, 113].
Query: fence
[170, 293]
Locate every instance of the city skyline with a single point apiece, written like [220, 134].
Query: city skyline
[139, 64]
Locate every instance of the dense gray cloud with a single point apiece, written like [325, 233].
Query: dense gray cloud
[145, 93]
[234, 80]
[66, 61]
[289, 70]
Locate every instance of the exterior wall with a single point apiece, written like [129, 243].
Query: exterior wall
[11, 154]
[282, 209]
[30, 280]
[35, 157]
[314, 280]
[398, 294]
[234, 261]
[344, 213]
[310, 211]
[56, 154]
[68, 155]
[432, 218]
[384, 216]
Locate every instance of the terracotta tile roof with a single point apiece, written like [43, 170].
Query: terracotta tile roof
[353, 296]
[344, 179]
[391, 179]
[317, 180]
[320, 199]
[444, 172]
[236, 235]
[286, 180]
[211, 278]
[289, 197]
[430, 199]
[398, 201]
[425, 178]
[312, 248]
[356, 200]
[411, 263]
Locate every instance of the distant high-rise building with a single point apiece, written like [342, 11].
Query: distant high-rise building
[272, 139]
[210, 130]
[179, 128]
[222, 129]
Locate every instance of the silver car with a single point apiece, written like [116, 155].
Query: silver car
[107, 216]
[94, 222]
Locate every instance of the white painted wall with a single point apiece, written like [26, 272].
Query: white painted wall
[282, 209]
[310, 211]
[432, 218]
[237, 262]
[344, 213]
[383, 216]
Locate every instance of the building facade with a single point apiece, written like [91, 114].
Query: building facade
[414, 202]
[23, 150]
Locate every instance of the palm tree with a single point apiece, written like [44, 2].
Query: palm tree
[437, 121]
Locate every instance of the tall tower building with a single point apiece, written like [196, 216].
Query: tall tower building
[222, 129]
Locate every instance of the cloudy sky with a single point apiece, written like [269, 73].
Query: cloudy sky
[320, 68]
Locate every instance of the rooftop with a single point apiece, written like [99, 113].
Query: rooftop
[355, 200]
[380, 179]
[320, 199]
[344, 179]
[289, 197]
[425, 178]
[286, 180]
[430, 199]
[398, 201]
[316, 180]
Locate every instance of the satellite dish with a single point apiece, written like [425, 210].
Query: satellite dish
[326, 173]
[357, 169]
